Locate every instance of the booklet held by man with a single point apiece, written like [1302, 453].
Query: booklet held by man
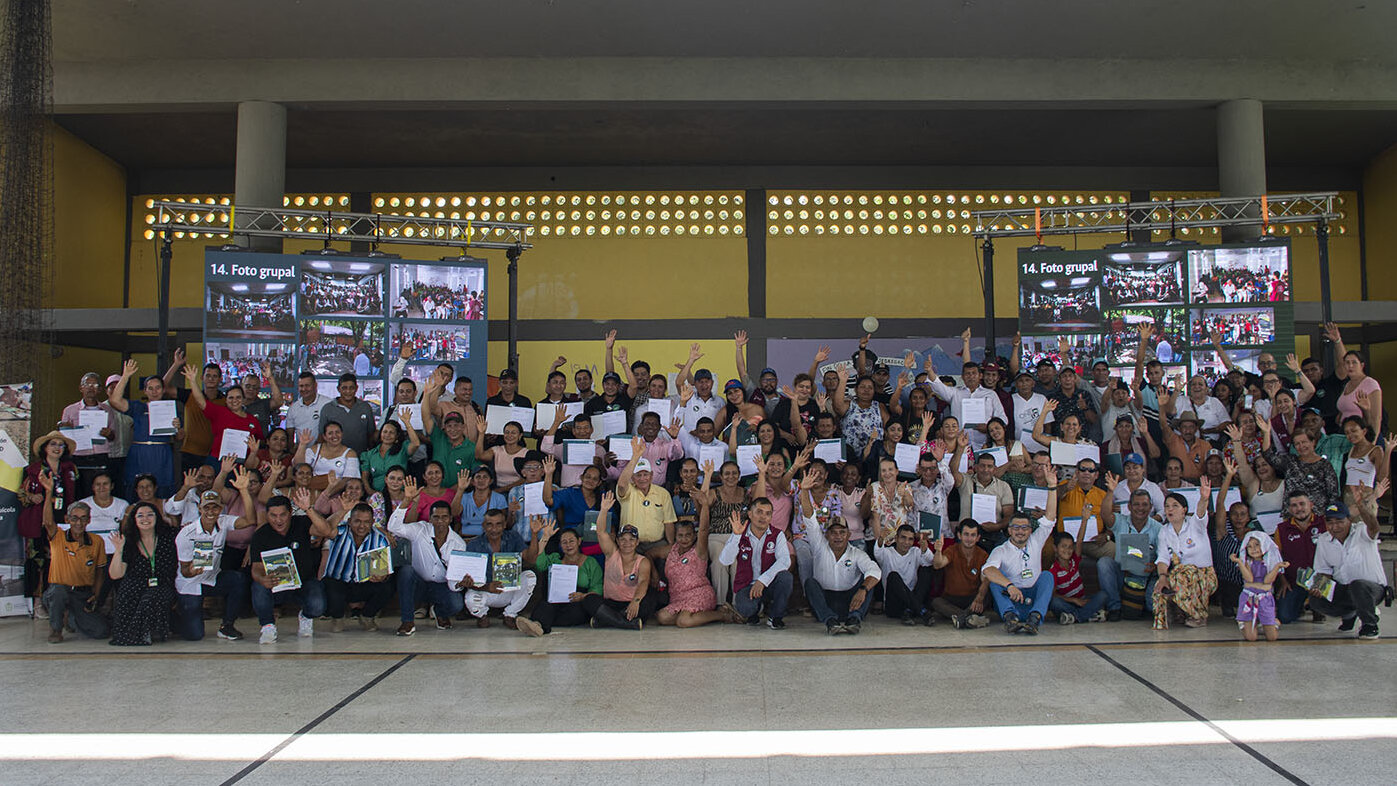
[280, 566]
[374, 564]
[507, 569]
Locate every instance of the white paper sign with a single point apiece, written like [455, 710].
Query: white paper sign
[545, 413]
[907, 457]
[1087, 451]
[716, 453]
[621, 447]
[413, 413]
[1062, 453]
[1234, 495]
[497, 416]
[1029, 443]
[747, 457]
[1270, 520]
[606, 424]
[974, 411]
[93, 421]
[234, 443]
[662, 407]
[465, 563]
[162, 416]
[562, 582]
[830, 451]
[984, 508]
[1190, 493]
[533, 500]
[81, 438]
[578, 452]
[1034, 497]
[1074, 526]
[1360, 472]
[1000, 455]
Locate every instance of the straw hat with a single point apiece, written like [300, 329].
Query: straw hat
[49, 437]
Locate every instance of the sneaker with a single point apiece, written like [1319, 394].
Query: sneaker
[978, 621]
[832, 627]
[1031, 627]
[776, 623]
[1369, 632]
[1101, 615]
[1346, 624]
[369, 624]
[755, 619]
[908, 618]
[929, 620]
[1066, 619]
[528, 627]
[268, 635]
[337, 625]
[56, 637]
[443, 623]
[41, 612]
[1012, 624]
[1316, 616]
[305, 627]
[852, 627]
[408, 628]
[229, 632]
[1114, 615]
[959, 623]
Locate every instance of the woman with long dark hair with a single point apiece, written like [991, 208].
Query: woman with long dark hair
[144, 561]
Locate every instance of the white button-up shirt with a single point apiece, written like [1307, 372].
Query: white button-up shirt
[955, 395]
[1190, 543]
[1022, 566]
[842, 572]
[1355, 559]
[428, 562]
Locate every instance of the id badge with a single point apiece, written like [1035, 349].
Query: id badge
[152, 582]
[1026, 573]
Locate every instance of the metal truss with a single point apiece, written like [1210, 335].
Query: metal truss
[329, 225]
[1166, 216]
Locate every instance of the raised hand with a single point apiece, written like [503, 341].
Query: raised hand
[1205, 487]
[129, 368]
[46, 480]
[1146, 330]
[549, 465]
[787, 392]
[695, 352]
[965, 335]
[909, 360]
[191, 478]
[559, 416]
[1233, 432]
[1264, 426]
[610, 338]
[740, 338]
[305, 436]
[822, 354]
[463, 479]
[1331, 332]
[410, 488]
[1292, 363]
[1216, 337]
[1112, 480]
[226, 464]
[623, 356]
[673, 428]
[863, 342]
[686, 392]
[190, 377]
[405, 352]
[1051, 405]
[242, 479]
[739, 527]
[607, 500]
[301, 496]
[1381, 488]
[536, 524]
[1361, 399]
[1050, 475]
[550, 528]
[118, 541]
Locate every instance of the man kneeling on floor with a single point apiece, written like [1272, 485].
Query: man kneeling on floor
[491, 594]
[906, 566]
[1021, 589]
[962, 600]
[432, 543]
[761, 563]
[841, 578]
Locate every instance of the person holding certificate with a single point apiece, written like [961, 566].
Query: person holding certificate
[225, 417]
[971, 404]
[1069, 433]
[433, 542]
[155, 429]
[562, 604]
[92, 414]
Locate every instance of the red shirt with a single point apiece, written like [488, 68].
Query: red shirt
[1298, 543]
[222, 418]
[1067, 579]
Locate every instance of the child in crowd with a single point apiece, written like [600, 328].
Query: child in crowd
[1070, 602]
[1260, 562]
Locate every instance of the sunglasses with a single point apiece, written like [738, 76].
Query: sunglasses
[1086, 469]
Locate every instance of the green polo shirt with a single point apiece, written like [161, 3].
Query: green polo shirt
[454, 459]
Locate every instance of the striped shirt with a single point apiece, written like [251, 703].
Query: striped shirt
[1067, 579]
[344, 554]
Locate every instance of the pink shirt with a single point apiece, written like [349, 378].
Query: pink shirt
[1347, 406]
[70, 415]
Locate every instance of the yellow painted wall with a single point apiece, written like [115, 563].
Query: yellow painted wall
[89, 192]
[1380, 234]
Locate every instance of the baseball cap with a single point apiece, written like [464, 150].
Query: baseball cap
[509, 373]
[611, 376]
[731, 384]
[989, 367]
[210, 496]
[643, 465]
[629, 530]
[1125, 419]
[767, 370]
[1337, 510]
[703, 373]
[1022, 374]
[883, 367]
[450, 416]
[1133, 458]
[114, 378]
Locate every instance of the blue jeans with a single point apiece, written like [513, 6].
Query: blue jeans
[1291, 605]
[447, 602]
[834, 604]
[1111, 578]
[231, 584]
[1036, 598]
[311, 596]
[1083, 613]
[774, 598]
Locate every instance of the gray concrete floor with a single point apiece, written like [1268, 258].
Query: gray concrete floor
[725, 704]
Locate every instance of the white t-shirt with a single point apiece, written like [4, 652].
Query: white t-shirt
[1212, 412]
[184, 551]
[1356, 559]
[103, 521]
[1190, 543]
[697, 409]
[1123, 493]
[1022, 566]
[1026, 412]
[904, 565]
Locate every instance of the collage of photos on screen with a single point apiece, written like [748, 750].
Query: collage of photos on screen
[454, 293]
[1168, 344]
[1209, 365]
[250, 310]
[1143, 278]
[430, 341]
[238, 359]
[341, 288]
[1256, 274]
[1083, 349]
[1059, 303]
[1235, 327]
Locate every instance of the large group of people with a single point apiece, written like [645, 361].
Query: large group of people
[1057, 307]
[1242, 285]
[1022, 495]
[1234, 328]
[270, 313]
[448, 344]
[341, 293]
[435, 301]
[1137, 284]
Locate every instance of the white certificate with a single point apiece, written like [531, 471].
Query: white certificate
[562, 582]
[234, 443]
[621, 447]
[716, 453]
[907, 457]
[545, 413]
[830, 451]
[413, 413]
[1029, 443]
[496, 416]
[1087, 451]
[1360, 472]
[1082, 534]
[162, 416]
[1234, 495]
[579, 452]
[974, 411]
[1270, 520]
[662, 407]
[1063, 454]
[1033, 498]
[745, 459]
[533, 500]
[984, 508]
[1000, 454]
[1190, 493]
[82, 440]
[93, 421]
[606, 424]
[465, 563]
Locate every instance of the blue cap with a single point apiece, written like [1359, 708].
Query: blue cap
[1337, 510]
[767, 370]
[733, 384]
[1133, 458]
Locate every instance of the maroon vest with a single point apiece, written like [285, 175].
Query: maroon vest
[743, 574]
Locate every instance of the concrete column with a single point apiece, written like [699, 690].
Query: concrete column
[1241, 156]
[260, 176]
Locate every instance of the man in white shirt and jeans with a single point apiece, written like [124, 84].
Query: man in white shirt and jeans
[1349, 555]
[842, 578]
[1018, 583]
[432, 543]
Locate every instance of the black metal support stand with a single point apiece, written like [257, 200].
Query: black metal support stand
[162, 347]
[513, 255]
[987, 248]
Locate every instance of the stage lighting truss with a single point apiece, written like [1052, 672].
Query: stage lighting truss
[1165, 216]
[176, 218]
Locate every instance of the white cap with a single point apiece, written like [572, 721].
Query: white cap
[642, 466]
